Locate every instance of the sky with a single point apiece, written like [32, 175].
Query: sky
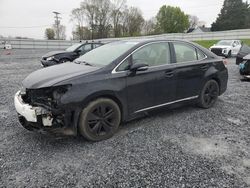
[30, 18]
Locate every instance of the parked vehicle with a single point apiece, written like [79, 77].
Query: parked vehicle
[6, 45]
[226, 48]
[245, 50]
[70, 54]
[245, 66]
[118, 82]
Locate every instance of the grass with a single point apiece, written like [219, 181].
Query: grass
[209, 43]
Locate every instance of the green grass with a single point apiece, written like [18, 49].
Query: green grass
[209, 43]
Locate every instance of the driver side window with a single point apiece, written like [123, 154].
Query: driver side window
[85, 48]
[153, 54]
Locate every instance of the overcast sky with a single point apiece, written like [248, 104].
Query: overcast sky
[29, 18]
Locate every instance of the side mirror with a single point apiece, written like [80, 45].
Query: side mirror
[234, 45]
[78, 51]
[139, 67]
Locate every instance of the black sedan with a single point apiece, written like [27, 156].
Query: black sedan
[244, 51]
[70, 54]
[118, 82]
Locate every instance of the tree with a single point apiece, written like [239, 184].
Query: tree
[105, 18]
[149, 27]
[50, 34]
[81, 33]
[193, 21]
[132, 22]
[171, 20]
[117, 8]
[234, 15]
[61, 32]
[97, 15]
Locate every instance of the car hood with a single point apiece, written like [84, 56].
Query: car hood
[50, 76]
[53, 53]
[219, 46]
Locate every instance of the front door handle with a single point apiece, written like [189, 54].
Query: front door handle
[169, 74]
[204, 67]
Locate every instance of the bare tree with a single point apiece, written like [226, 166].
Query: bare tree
[78, 15]
[132, 22]
[149, 26]
[117, 8]
[193, 21]
[97, 15]
[61, 29]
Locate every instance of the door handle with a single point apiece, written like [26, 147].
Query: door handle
[204, 67]
[169, 74]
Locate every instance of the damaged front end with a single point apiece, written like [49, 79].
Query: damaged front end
[41, 109]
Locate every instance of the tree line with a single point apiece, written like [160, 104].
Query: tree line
[95, 19]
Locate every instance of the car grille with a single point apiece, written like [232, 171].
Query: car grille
[217, 51]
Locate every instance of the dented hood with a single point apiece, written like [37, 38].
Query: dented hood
[53, 53]
[50, 76]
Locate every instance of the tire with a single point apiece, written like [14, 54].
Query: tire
[242, 72]
[209, 94]
[94, 125]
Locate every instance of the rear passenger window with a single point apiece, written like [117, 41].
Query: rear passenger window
[185, 53]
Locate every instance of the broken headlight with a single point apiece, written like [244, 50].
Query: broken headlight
[59, 91]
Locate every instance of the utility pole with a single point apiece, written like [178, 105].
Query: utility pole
[57, 23]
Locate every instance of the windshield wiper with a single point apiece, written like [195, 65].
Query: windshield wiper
[83, 62]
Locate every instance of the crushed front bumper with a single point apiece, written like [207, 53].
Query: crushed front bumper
[45, 63]
[29, 115]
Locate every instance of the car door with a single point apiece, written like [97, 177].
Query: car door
[155, 86]
[190, 70]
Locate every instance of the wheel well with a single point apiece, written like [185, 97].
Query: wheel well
[218, 82]
[109, 96]
[65, 58]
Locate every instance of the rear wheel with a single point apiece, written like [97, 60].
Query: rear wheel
[209, 94]
[100, 119]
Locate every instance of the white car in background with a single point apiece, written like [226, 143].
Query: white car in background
[226, 48]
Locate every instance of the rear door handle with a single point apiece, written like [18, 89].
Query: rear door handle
[169, 74]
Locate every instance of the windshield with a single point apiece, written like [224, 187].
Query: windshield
[73, 48]
[106, 54]
[225, 42]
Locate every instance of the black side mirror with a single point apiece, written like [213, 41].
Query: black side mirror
[78, 51]
[139, 67]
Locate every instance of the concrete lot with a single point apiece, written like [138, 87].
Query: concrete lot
[184, 147]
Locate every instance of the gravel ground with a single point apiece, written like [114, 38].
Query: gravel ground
[184, 147]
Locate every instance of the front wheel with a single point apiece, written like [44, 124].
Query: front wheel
[209, 94]
[99, 120]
